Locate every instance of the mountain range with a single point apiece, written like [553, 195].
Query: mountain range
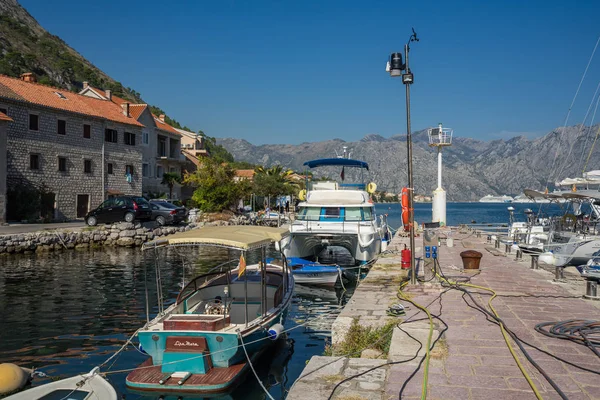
[471, 168]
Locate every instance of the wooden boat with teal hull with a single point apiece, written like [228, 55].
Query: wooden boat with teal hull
[221, 321]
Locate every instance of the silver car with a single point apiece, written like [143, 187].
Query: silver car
[166, 213]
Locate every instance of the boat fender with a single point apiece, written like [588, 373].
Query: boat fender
[371, 187]
[547, 257]
[12, 378]
[302, 195]
[275, 331]
[142, 349]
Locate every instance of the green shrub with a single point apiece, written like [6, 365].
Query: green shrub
[359, 338]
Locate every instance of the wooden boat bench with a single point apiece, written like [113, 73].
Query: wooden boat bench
[196, 322]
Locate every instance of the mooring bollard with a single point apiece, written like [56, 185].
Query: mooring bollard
[591, 289]
[519, 255]
[489, 238]
[534, 261]
[497, 244]
[559, 274]
[478, 234]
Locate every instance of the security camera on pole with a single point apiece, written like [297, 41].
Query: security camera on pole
[397, 68]
[439, 137]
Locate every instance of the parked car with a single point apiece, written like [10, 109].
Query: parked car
[120, 208]
[175, 202]
[164, 212]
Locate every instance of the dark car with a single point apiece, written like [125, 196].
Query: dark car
[175, 202]
[120, 208]
[164, 212]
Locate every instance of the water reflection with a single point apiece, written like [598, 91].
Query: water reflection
[67, 312]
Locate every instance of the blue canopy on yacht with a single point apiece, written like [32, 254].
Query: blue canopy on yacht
[346, 162]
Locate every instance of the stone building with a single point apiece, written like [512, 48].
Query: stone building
[56, 143]
[160, 144]
[193, 150]
[4, 120]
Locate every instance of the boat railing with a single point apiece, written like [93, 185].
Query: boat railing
[315, 223]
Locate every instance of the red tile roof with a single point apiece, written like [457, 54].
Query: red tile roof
[244, 173]
[136, 110]
[115, 99]
[4, 117]
[60, 99]
[163, 126]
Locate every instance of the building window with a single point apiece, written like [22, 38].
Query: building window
[111, 135]
[159, 171]
[129, 172]
[161, 149]
[87, 131]
[144, 170]
[34, 161]
[62, 164]
[173, 170]
[87, 166]
[129, 138]
[145, 137]
[62, 127]
[34, 122]
[109, 168]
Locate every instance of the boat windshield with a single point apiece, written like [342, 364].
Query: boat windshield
[335, 214]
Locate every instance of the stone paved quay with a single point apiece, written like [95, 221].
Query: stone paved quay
[472, 361]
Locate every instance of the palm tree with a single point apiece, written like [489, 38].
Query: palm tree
[170, 179]
[275, 181]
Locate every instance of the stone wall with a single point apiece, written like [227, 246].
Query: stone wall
[3, 126]
[123, 234]
[49, 146]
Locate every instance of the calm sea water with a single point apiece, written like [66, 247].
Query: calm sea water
[65, 313]
[468, 213]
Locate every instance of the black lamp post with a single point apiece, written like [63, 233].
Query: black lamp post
[396, 68]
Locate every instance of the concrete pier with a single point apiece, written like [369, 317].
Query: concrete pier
[471, 360]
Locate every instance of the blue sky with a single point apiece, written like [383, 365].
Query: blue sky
[303, 71]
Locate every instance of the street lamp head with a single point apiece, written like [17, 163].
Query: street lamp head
[396, 66]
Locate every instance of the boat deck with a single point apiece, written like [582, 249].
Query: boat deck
[147, 377]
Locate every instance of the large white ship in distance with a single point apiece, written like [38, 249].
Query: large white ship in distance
[496, 199]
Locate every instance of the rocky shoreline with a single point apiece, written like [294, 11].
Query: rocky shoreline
[123, 234]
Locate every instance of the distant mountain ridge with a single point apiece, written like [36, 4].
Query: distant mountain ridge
[472, 168]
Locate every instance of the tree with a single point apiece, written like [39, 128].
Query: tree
[170, 179]
[274, 181]
[216, 188]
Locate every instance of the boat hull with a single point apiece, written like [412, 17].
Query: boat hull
[575, 252]
[317, 278]
[308, 245]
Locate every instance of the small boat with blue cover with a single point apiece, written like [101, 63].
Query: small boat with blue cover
[221, 321]
[308, 272]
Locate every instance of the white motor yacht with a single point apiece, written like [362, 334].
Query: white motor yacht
[337, 214]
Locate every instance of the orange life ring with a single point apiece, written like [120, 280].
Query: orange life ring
[405, 209]
[405, 198]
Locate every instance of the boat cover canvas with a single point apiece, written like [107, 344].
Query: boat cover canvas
[337, 197]
[236, 236]
[346, 162]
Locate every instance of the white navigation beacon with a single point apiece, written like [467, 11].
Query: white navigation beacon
[439, 137]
